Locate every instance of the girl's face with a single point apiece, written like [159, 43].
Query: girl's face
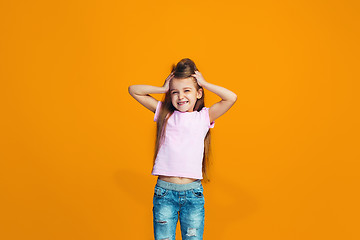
[184, 94]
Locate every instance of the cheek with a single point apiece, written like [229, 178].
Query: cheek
[193, 96]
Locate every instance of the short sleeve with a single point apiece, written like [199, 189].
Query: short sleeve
[157, 111]
[212, 124]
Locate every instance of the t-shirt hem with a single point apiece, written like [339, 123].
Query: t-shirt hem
[177, 175]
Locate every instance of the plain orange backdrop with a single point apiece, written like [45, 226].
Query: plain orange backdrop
[76, 148]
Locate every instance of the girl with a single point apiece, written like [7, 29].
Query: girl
[182, 147]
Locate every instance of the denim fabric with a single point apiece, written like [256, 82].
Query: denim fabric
[178, 201]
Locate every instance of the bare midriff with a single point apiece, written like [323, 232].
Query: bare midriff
[178, 180]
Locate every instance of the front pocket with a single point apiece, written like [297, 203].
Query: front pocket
[198, 192]
[160, 192]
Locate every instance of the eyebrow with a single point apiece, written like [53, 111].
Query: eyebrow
[183, 88]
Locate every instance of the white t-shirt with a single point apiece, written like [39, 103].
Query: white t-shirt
[181, 152]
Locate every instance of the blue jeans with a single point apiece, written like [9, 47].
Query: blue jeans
[178, 201]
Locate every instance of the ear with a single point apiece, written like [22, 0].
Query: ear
[199, 93]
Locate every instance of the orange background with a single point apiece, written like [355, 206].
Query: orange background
[76, 148]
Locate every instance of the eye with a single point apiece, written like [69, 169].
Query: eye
[187, 90]
[173, 92]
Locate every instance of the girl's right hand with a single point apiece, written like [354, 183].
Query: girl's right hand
[167, 82]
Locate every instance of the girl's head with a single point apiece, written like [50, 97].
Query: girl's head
[184, 95]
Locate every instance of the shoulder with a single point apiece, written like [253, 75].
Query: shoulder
[157, 110]
[204, 112]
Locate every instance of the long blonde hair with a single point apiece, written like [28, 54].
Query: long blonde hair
[183, 69]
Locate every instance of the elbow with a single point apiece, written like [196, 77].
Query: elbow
[231, 98]
[131, 90]
[234, 98]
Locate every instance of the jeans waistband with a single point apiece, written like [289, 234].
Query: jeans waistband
[178, 187]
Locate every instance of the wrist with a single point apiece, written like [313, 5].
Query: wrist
[204, 84]
[164, 89]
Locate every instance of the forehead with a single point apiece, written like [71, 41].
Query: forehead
[177, 83]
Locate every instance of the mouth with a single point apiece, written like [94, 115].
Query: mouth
[182, 103]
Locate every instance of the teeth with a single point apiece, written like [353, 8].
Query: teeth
[181, 103]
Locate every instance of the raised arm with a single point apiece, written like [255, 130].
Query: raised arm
[141, 93]
[228, 98]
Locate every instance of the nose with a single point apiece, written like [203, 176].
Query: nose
[181, 95]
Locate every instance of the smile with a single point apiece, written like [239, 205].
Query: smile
[182, 103]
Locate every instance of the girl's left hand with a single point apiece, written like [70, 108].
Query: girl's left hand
[199, 78]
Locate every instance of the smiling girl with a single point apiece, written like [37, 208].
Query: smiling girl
[182, 147]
